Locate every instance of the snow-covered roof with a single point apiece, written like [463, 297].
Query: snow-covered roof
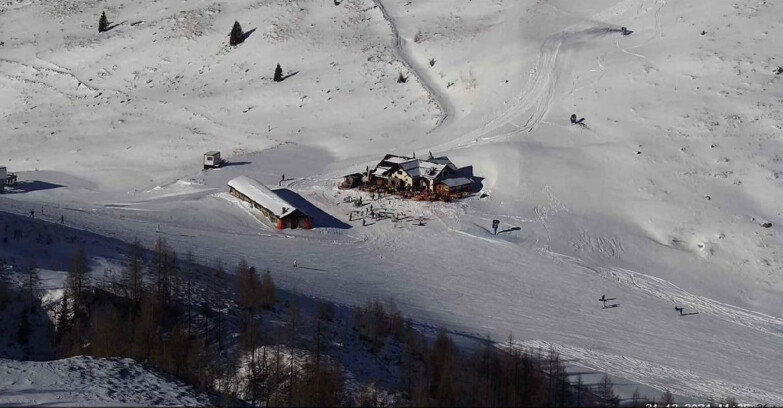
[262, 195]
[381, 171]
[212, 153]
[415, 168]
[444, 161]
[396, 159]
[457, 181]
[439, 160]
[430, 170]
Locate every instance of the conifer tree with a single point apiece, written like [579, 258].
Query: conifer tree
[667, 399]
[133, 278]
[278, 73]
[237, 36]
[443, 361]
[636, 397]
[77, 277]
[247, 284]
[23, 333]
[103, 23]
[163, 269]
[268, 290]
[32, 281]
[63, 318]
[606, 392]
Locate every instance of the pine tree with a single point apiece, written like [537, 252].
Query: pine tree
[77, 277]
[268, 290]
[444, 371]
[580, 391]
[247, 286]
[133, 278]
[106, 331]
[63, 319]
[237, 36]
[606, 392]
[190, 272]
[278, 74]
[103, 23]
[667, 398]
[32, 281]
[23, 334]
[164, 268]
[636, 398]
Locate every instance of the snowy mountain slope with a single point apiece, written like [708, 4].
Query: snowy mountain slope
[140, 102]
[86, 381]
[658, 201]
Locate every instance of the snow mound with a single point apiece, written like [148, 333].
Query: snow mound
[85, 381]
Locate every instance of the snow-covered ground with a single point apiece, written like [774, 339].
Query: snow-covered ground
[85, 381]
[658, 201]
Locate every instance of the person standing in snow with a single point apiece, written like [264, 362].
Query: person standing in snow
[294, 263]
[62, 219]
[32, 213]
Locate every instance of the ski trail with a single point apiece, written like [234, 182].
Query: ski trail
[535, 99]
[537, 95]
[398, 46]
[656, 30]
[663, 289]
[659, 376]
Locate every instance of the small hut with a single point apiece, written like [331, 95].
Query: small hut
[454, 185]
[351, 181]
[281, 213]
[212, 160]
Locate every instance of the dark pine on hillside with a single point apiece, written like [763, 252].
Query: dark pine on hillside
[278, 74]
[103, 23]
[237, 36]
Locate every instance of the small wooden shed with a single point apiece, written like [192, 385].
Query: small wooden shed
[351, 181]
[455, 185]
[212, 160]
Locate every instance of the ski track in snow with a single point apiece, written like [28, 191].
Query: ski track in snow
[535, 99]
[663, 289]
[661, 377]
[398, 46]
[537, 95]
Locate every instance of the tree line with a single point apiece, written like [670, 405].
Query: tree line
[217, 337]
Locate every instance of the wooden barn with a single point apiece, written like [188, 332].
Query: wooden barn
[281, 213]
